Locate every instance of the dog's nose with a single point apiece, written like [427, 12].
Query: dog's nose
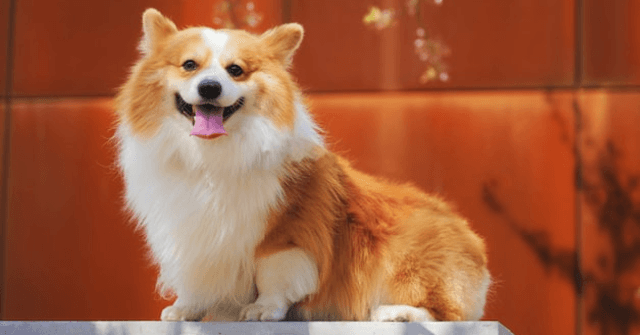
[209, 89]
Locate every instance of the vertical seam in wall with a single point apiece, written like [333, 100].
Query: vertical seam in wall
[4, 205]
[578, 183]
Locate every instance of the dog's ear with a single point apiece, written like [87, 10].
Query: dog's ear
[283, 41]
[157, 29]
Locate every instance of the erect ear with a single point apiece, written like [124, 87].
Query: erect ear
[156, 28]
[283, 41]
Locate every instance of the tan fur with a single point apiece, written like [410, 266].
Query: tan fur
[367, 236]
[264, 68]
[141, 99]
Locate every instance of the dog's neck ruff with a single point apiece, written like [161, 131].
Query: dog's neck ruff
[209, 200]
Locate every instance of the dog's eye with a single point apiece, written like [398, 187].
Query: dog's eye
[189, 65]
[234, 70]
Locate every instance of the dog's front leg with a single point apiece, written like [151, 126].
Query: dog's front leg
[180, 311]
[282, 279]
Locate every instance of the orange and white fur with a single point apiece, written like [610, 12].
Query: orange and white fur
[251, 215]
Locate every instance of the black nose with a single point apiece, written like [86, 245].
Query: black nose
[209, 89]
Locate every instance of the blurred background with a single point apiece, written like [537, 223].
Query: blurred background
[524, 113]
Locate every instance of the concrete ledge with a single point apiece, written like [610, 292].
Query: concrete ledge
[241, 328]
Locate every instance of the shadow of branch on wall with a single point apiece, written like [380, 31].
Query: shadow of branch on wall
[607, 195]
[565, 261]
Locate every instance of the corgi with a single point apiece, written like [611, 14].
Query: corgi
[247, 213]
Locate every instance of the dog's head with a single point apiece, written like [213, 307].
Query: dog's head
[204, 78]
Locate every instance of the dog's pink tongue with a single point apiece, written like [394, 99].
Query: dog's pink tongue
[208, 124]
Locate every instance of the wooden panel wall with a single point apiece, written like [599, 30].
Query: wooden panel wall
[611, 49]
[494, 44]
[610, 211]
[85, 48]
[4, 112]
[4, 41]
[534, 137]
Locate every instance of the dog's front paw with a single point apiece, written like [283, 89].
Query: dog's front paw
[178, 313]
[259, 312]
[401, 313]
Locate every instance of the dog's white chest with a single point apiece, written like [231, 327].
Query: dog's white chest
[202, 225]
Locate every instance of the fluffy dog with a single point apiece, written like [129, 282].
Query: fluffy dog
[247, 212]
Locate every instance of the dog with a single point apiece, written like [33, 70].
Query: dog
[247, 212]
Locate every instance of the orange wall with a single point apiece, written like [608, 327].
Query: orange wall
[535, 138]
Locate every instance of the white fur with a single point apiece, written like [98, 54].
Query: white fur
[470, 297]
[203, 204]
[216, 41]
[306, 129]
[401, 313]
[282, 279]
[476, 308]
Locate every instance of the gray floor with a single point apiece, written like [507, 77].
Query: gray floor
[263, 328]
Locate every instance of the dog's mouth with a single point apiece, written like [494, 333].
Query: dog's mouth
[187, 109]
[207, 119]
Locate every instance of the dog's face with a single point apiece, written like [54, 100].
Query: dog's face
[205, 74]
[207, 77]
[210, 77]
